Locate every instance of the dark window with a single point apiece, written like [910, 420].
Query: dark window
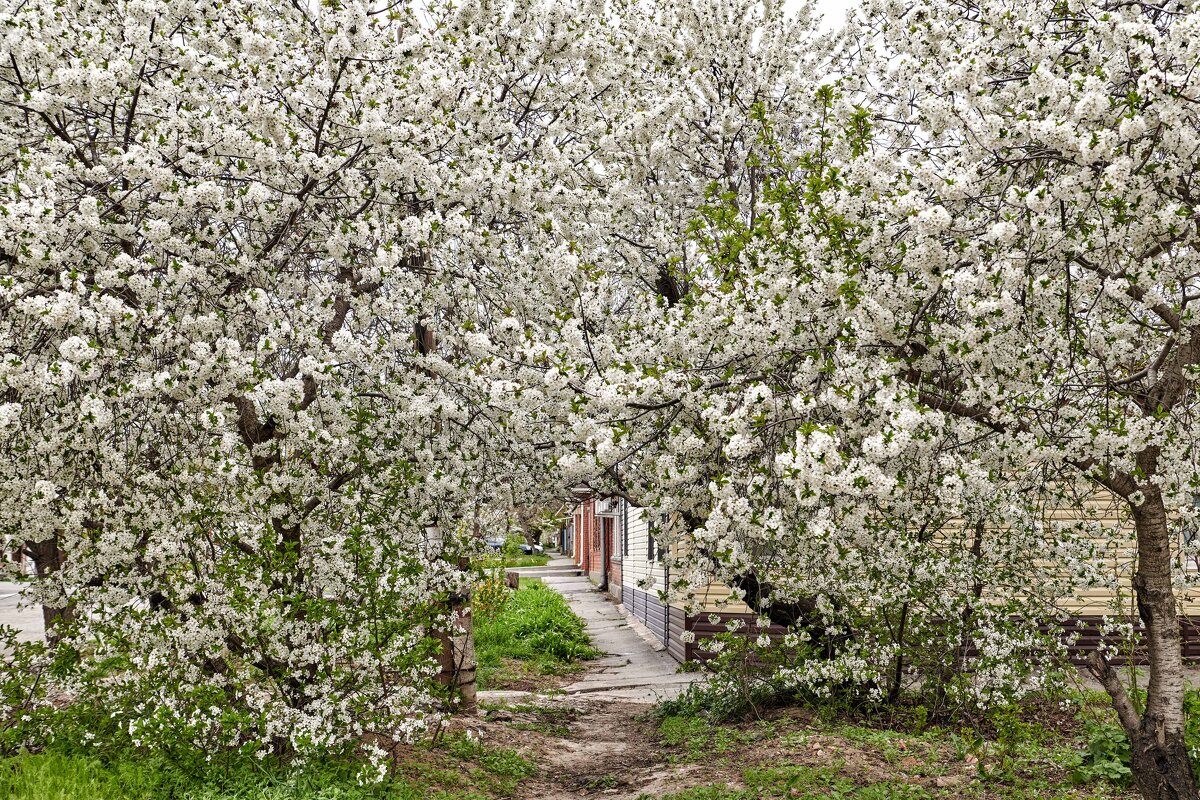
[651, 544]
[624, 528]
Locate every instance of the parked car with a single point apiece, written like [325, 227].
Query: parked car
[494, 543]
[530, 549]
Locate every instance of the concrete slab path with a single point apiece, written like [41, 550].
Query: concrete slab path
[630, 670]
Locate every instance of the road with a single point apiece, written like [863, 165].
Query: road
[27, 619]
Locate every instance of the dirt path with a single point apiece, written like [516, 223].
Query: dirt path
[593, 737]
[587, 748]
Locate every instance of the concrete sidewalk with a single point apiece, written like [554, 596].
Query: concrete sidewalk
[630, 670]
[27, 619]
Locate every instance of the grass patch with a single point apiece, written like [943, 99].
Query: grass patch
[517, 560]
[546, 720]
[457, 769]
[698, 739]
[533, 634]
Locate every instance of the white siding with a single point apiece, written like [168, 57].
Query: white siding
[637, 571]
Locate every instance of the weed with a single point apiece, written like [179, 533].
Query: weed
[1106, 756]
[488, 598]
[496, 760]
[699, 739]
[1105, 759]
[605, 781]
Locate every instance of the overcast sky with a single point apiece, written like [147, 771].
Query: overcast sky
[833, 11]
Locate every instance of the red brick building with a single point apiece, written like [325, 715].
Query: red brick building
[591, 538]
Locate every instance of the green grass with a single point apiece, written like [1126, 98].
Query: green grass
[546, 720]
[826, 783]
[535, 633]
[697, 739]
[518, 560]
[460, 769]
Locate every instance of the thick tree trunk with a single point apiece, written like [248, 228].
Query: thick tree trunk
[48, 558]
[457, 656]
[1160, 761]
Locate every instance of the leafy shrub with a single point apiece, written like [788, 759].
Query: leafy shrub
[719, 700]
[24, 668]
[745, 680]
[489, 597]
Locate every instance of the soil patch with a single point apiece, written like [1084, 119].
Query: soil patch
[589, 748]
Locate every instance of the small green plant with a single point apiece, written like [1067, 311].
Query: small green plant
[489, 597]
[496, 760]
[605, 781]
[966, 742]
[744, 683]
[1105, 759]
[919, 718]
[1012, 734]
[1191, 730]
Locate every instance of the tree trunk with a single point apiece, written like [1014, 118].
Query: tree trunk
[48, 558]
[457, 656]
[1160, 761]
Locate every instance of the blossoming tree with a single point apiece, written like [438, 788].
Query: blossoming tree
[265, 267]
[1029, 266]
[969, 283]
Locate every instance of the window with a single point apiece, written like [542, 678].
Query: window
[624, 528]
[652, 551]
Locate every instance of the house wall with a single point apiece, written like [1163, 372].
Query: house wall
[585, 528]
[1117, 550]
[642, 577]
[588, 548]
